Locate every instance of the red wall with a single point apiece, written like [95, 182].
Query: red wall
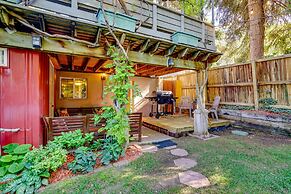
[24, 96]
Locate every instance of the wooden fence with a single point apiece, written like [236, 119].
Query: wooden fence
[244, 84]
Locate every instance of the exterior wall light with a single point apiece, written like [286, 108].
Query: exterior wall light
[36, 41]
[170, 62]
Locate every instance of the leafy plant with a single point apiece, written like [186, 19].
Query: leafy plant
[111, 150]
[118, 84]
[84, 161]
[45, 159]
[96, 145]
[12, 163]
[268, 102]
[28, 182]
[73, 139]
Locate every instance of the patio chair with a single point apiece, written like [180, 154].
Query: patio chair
[214, 108]
[186, 103]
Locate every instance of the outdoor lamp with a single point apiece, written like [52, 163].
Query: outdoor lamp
[170, 62]
[36, 41]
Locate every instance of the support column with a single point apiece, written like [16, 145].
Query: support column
[255, 85]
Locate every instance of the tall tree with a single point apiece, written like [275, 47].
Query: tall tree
[256, 28]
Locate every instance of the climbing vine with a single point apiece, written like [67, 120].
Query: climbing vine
[118, 86]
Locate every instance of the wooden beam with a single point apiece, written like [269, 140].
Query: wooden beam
[144, 45]
[195, 55]
[73, 29]
[204, 58]
[122, 38]
[170, 50]
[53, 58]
[60, 46]
[98, 65]
[85, 63]
[183, 52]
[153, 48]
[70, 62]
[147, 69]
[155, 72]
[42, 22]
[98, 35]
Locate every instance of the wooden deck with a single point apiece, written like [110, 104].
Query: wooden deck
[178, 125]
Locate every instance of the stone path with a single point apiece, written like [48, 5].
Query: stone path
[193, 179]
[185, 163]
[179, 152]
[189, 177]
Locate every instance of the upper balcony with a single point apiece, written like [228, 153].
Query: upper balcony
[152, 20]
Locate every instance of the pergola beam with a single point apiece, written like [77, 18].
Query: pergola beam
[61, 46]
[170, 50]
[144, 45]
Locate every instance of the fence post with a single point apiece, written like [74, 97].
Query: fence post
[255, 84]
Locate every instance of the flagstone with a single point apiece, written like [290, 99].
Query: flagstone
[179, 152]
[149, 148]
[193, 179]
[185, 163]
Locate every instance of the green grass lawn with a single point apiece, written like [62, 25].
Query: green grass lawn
[232, 164]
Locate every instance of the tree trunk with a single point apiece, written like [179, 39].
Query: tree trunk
[257, 28]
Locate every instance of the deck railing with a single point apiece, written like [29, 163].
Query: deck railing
[153, 20]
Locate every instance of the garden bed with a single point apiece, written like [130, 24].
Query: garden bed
[278, 122]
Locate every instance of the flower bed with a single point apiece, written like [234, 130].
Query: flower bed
[25, 170]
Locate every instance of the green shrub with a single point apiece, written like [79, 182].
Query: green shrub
[96, 145]
[45, 159]
[111, 150]
[84, 162]
[28, 182]
[73, 139]
[267, 102]
[12, 163]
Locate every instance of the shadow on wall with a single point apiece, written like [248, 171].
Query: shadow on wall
[146, 86]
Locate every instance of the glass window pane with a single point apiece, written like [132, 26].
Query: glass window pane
[2, 57]
[67, 88]
[80, 88]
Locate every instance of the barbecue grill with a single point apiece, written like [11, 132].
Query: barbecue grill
[162, 98]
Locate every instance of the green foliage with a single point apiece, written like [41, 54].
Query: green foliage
[47, 158]
[84, 162]
[73, 139]
[119, 85]
[238, 107]
[267, 102]
[111, 150]
[22, 149]
[96, 145]
[276, 110]
[13, 162]
[28, 182]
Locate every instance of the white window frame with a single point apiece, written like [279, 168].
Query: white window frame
[5, 64]
[60, 95]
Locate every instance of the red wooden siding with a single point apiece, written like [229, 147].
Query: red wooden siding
[24, 96]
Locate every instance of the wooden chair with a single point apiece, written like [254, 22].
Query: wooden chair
[214, 108]
[186, 103]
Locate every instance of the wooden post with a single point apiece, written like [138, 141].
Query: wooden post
[155, 18]
[255, 85]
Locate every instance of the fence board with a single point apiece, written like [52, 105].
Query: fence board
[234, 83]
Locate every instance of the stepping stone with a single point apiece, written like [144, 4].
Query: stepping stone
[193, 179]
[169, 181]
[170, 147]
[185, 163]
[179, 152]
[149, 148]
[240, 133]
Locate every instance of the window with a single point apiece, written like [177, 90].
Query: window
[3, 57]
[73, 88]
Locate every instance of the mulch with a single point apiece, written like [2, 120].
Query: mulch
[132, 153]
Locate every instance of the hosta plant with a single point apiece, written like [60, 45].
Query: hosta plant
[84, 162]
[111, 150]
[12, 162]
[73, 139]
